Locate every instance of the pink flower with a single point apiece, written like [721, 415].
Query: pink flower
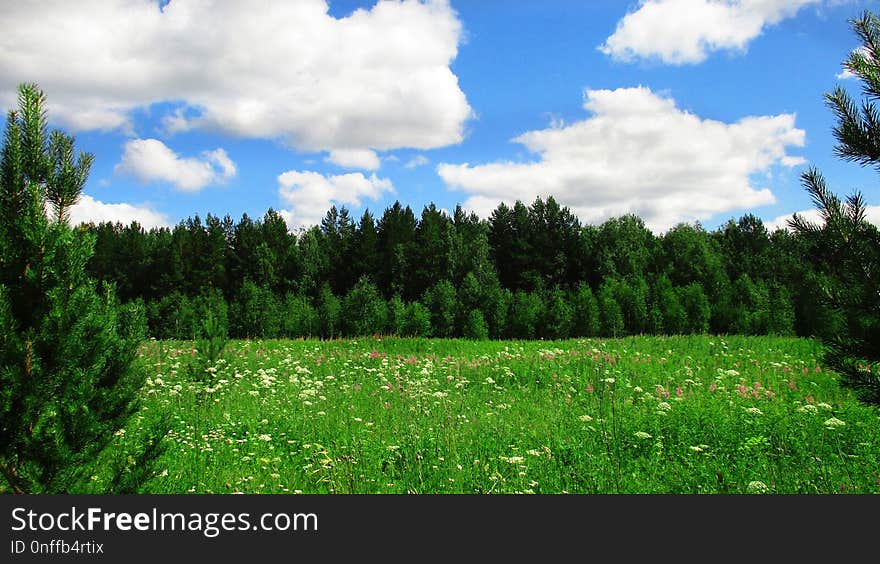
[713, 387]
[374, 354]
[678, 391]
[590, 388]
[791, 386]
[387, 405]
[809, 399]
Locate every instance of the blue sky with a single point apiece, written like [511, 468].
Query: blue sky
[677, 110]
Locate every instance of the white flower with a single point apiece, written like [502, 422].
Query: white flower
[265, 437]
[664, 406]
[808, 408]
[823, 405]
[489, 380]
[585, 418]
[834, 423]
[642, 435]
[757, 487]
[753, 411]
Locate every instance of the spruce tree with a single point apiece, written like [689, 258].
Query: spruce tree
[851, 283]
[68, 369]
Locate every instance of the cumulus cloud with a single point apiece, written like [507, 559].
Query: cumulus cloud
[682, 32]
[354, 158]
[378, 78]
[310, 194]
[637, 153]
[150, 160]
[872, 214]
[87, 209]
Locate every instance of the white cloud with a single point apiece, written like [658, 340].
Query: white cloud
[376, 79]
[872, 214]
[311, 194]
[354, 158]
[87, 209]
[151, 160]
[417, 161]
[638, 153]
[685, 31]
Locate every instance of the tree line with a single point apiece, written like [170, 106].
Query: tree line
[527, 272]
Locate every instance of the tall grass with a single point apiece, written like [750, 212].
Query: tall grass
[386, 415]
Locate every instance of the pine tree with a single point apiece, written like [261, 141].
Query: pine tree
[68, 372]
[852, 243]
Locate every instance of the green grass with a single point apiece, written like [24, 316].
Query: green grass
[679, 415]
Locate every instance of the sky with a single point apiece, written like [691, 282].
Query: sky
[674, 110]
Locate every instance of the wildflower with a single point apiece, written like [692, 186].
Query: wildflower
[753, 411]
[757, 487]
[392, 448]
[678, 391]
[663, 406]
[713, 387]
[834, 423]
[585, 418]
[609, 380]
[808, 408]
[824, 405]
[489, 380]
[642, 435]
[638, 389]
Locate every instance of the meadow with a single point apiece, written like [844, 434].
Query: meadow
[679, 415]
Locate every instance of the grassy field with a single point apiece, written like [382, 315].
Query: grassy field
[677, 415]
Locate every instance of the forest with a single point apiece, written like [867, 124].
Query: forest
[527, 272]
